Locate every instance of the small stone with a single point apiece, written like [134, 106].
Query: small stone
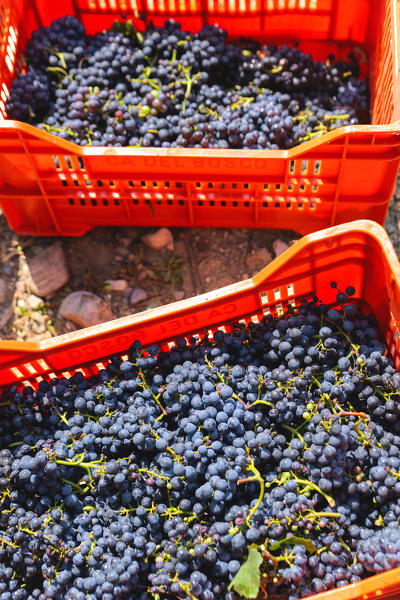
[48, 270]
[34, 301]
[279, 247]
[138, 295]
[179, 295]
[85, 309]
[117, 285]
[162, 238]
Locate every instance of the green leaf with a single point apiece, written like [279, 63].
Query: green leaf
[291, 541]
[247, 580]
[379, 521]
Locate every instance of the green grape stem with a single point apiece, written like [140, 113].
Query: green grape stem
[310, 485]
[255, 477]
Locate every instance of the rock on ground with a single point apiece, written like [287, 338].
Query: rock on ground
[117, 285]
[34, 301]
[48, 270]
[138, 295]
[85, 309]
[279, 247]
[159, 239]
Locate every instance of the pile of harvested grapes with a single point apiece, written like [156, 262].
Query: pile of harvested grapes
[263, 461]
[165, 87]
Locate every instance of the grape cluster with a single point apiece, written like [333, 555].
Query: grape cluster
[169, 88]
[32, 93]
[159, 476]
[380, 551]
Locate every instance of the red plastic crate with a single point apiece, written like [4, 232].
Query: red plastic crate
[359, 253]
[52, 187]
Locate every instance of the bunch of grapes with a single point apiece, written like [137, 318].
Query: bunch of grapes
[170, 473]
[170, 88]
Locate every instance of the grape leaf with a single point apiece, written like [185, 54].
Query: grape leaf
[291, 541]
[247, 580]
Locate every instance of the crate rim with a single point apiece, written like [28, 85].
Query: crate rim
[330, 137]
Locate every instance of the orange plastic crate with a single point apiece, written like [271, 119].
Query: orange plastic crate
[52, 187]
[359, 253]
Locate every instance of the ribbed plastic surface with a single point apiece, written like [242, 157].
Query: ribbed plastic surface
[52, 187]
[359, 253]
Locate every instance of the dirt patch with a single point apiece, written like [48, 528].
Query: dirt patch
[202, 260]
